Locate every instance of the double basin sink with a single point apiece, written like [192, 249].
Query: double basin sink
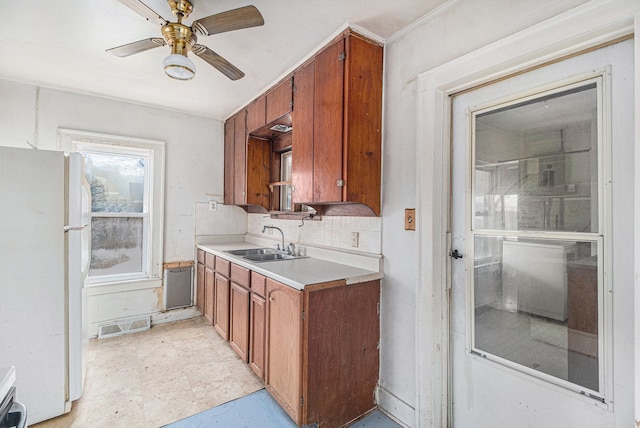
[263, 254]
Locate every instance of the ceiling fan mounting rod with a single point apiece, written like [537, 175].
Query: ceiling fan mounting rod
[180, 8]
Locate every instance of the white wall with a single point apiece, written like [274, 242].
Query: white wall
[194, 166]
[458, 28]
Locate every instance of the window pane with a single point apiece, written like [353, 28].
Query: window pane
[536, 164]
[116, 245]
[117, 182]
[536, 304]
[285, 175]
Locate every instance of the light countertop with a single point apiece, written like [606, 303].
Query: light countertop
[298, 273]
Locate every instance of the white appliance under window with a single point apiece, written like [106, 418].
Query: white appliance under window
[534, 277]
[44, 259]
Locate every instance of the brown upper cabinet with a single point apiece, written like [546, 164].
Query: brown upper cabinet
[256, 114]
[337, 125]
[235, 153]
[279, 100]
[334, 104]
[243, 154]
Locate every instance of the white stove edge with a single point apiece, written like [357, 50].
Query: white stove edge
[7, 380]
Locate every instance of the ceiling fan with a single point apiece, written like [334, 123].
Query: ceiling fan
[183, 39]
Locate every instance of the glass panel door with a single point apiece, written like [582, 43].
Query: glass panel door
[535, 244]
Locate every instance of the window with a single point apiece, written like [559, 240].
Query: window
[285, 177]
[126, 180]
[538, 238]
[120, 196]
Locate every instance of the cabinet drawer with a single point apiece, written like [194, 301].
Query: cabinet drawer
[258, 284]
[240, 275]
[223, 267]
[201, 255]
[209, 260]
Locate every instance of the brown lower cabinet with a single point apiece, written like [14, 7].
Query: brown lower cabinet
[208, 285]
[258, 324]
[322, 356]
[221, 305]
[200, 287]
[239, 311]
[209, 291]
[316, 349]
[200, 280]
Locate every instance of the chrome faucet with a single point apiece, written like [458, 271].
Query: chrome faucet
[264, 229]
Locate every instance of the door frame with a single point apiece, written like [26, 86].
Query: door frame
[584, 28]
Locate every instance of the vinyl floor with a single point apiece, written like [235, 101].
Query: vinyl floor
[181, 374]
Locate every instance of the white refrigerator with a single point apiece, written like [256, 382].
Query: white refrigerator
[44, 259]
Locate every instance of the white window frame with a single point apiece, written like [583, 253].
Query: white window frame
[153, 209]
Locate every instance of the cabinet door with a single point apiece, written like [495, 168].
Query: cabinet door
[200, 295]
[302, 136]
[240, 159]
[284, 347]
[256, 114]
[257, 318]
[280, 100]
[327, 130]
[239, 321]
[258, 166]
[229, 160]
[363, 123]
[221, 305]
[208, 295]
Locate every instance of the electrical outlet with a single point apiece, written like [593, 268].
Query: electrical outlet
[355, 237]
[213, 205]
[270, 231]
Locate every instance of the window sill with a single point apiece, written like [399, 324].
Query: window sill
[123, 286]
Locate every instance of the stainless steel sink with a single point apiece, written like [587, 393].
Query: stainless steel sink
[252, 252]
[269, 257]
[263, 254]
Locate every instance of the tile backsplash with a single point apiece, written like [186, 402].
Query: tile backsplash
[330, 231]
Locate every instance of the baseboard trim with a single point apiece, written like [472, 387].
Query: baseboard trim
[175, 315]
[395, 408]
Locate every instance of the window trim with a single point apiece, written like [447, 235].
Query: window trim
[75, 141]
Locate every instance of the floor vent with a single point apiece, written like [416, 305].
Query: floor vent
[124, 326]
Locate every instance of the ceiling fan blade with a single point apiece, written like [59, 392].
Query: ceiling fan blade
[144, 11]
[224, 66]
[136, 47]
[235, 19]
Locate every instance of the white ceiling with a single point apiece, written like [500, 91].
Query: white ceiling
[62, 44]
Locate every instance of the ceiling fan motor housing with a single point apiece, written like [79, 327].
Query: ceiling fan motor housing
[179, 37]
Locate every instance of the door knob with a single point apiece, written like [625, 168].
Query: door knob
[455, 254]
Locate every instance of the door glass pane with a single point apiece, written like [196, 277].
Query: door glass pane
[536, 164]
[117, 182]
[536, 304]
[116, 245]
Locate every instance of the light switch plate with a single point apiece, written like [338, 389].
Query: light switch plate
[410, 219]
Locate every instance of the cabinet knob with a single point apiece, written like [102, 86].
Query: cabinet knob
[340, 183]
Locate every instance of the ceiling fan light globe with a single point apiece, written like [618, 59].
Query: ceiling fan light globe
[179, 67]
